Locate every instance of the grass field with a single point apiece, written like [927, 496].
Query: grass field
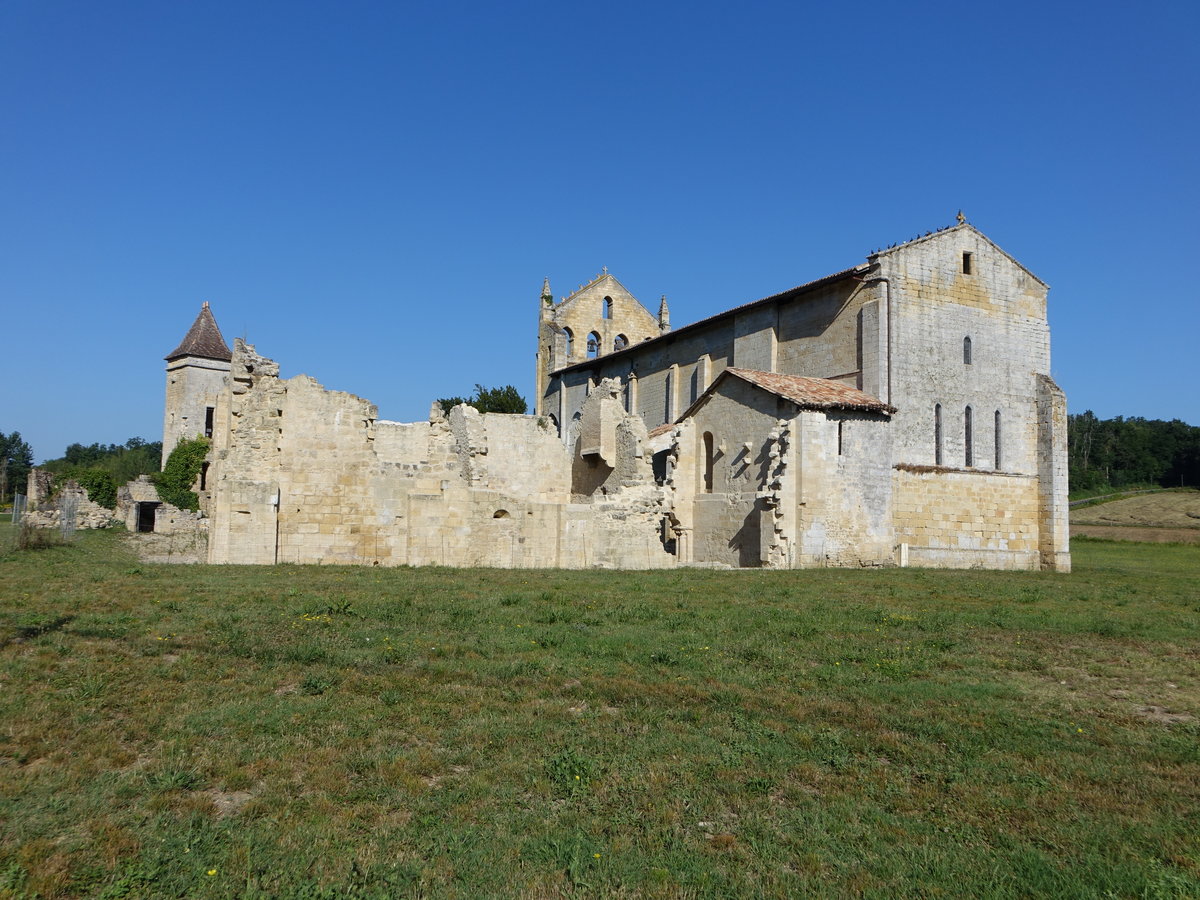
[1172, 516]
[172, 731]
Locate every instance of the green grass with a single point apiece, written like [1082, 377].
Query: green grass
[363, 732]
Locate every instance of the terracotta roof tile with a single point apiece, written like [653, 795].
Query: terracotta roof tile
[812, 393]
[661, 429]
[203, 339]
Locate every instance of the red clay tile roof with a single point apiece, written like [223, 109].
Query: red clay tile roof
[203, 339]
[661, 429]
[812, 393]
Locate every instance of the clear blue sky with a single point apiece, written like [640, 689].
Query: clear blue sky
[371, 193]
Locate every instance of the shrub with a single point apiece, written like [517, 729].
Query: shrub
[179, 474]
[101, 487]
[31, 537]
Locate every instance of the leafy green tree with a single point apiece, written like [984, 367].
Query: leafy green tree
[1118, 452]
[101, 487]
[16, 459]
[123, 461]
[179, 474]
[505, 399]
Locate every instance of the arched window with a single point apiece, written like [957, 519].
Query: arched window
[937, 434]
[997, 466]
[606, 308]
[967, 437]
[593, 345]
[966, 351]
[708, 463]
[621, 342]
[570, 342]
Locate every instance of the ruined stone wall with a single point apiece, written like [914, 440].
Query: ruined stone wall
[966, 519]
[46, 505]
[309, 475]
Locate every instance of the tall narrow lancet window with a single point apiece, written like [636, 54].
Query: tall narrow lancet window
[998, 457]
[708, 462]
[593, 345]
[621, 342]
[966, 351]
[967, 438]
[570, 342]
[937, 434]
[606, 308]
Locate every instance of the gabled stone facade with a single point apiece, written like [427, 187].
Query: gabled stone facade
[899, 412]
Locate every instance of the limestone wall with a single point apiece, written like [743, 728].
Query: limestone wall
[1054, 532]
[965, 519]
[844, 502]
[727, 515]
[934, 307]
[309, 475]
[193, 385]
[819, 334]
[46, 505]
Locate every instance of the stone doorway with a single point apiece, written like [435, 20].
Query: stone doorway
[145, 516]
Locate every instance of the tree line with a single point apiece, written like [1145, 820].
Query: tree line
[16, 459]
[99, 468]
[1119, 452]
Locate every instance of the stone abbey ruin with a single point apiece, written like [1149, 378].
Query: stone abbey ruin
[898, 412]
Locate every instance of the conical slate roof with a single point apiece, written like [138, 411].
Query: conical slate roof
[203, 339]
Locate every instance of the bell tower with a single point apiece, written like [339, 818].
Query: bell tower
[196, 371]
